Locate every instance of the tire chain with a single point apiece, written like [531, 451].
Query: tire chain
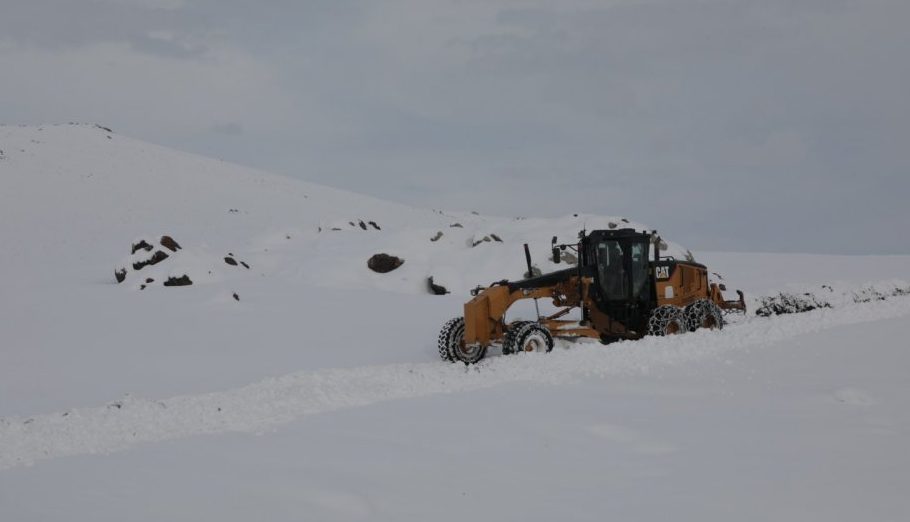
[695, 314]
[662, 316]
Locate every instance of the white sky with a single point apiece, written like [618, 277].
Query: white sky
[728, 124]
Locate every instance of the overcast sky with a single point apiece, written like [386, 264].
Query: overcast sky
[759, 125]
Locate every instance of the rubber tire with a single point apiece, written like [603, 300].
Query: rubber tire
[703, 311]
[666, 320]
[450, 341]
[508, 341]
[531, 331]
[451, 331]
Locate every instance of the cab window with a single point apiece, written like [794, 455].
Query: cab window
[640, 274]
[611, 271]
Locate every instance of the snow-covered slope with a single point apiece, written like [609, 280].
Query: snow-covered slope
[75, 197]
[791, 417]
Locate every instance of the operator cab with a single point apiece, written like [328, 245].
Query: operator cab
[619, 262]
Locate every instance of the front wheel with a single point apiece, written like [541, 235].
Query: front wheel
[452, 347]
[452, 333]
[509, 341]
[533, 337]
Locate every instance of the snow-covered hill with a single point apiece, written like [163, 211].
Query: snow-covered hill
[794, 417]
[83, 184]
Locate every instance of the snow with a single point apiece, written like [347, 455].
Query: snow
[319, 395]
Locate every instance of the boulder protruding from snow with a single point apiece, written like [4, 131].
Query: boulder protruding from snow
[141, 245]
[169, 243]
[183, 280]
[229, 259]
[146, 258]
[436, 289]
[154, 259]
[383, 263]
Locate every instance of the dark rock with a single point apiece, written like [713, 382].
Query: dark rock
[374, 225]
[156, 258]
[455, 225]
[183, 280]
[245, 265]
[120, 274]
[384, 263]
[169, 243]
[352, 223]
[141, 245]
[141, 287]
[436, 289]
[362, 225]
[624, 220]
[496, 238]
[611, 225]
[230, 260]
[437, 236]
[236, 298]
[149, 280]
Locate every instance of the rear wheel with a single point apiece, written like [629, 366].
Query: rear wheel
[703, 314]
[533, 337]
[666, 320]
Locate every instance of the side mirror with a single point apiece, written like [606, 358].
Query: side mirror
[555, 250]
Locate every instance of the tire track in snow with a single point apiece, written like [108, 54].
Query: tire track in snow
[271, 402]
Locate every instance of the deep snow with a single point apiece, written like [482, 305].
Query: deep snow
[318, 395]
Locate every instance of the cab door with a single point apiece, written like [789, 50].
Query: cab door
[623, 280]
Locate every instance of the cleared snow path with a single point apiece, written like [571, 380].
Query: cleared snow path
[268, 403]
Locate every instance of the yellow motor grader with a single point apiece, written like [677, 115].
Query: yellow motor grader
[622, 292]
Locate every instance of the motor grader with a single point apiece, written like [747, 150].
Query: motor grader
[621, 290]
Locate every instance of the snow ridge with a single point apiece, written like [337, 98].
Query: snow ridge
[272, 402]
